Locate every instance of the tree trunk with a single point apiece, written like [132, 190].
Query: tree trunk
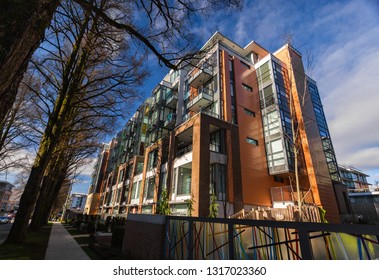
[19, 228]
[22, 28]
[36, 222]
[50, 139]
[49, 191]
[52, 199]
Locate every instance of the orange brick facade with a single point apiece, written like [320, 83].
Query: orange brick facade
[221, 129]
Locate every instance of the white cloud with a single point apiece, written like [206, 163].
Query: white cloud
[86, 169]
[343, 36]
[346, 73]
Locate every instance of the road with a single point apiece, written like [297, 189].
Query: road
[4, 230]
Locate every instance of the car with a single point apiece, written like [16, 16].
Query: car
[4, 220]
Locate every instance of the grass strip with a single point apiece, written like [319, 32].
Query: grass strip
[34, 247]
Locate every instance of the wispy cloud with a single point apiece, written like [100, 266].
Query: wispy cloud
[86, 169]
[343, 36]
[346, 71]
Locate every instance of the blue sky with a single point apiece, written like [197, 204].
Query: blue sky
[343, 37]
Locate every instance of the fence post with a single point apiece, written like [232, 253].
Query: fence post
[166, 248]
[305, 244]
[190, 240]
[231, 240]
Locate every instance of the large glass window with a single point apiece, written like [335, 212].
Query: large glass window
[218, 180]
[135, 193]
[139, 168]
[217, 141]
[184, 181]
[149, 188]
[121, 176]
[152, 159]
[265, 72]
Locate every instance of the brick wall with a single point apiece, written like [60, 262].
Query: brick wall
[144, 237]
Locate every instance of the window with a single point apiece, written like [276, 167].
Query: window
[278, 179]
[134, 199]
[152, 160]
[252, 141]
[248, 112]
[218, 180]
[231, 64]
[231, 88]
[183, 180]
[149, 188]
[249, 88]
[121, 176]
[217, 141]
[234, 116]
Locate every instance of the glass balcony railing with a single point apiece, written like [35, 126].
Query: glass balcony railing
[202, 100]
[184, 150]
[170, 121]
[198, 77]
[171, 100]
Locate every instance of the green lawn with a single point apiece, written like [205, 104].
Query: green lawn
[34, 247]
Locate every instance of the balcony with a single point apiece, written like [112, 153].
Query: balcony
[171, 101]
[184, 150]
[202, 100]
[201, 76]
[170, 121]
[154, 125]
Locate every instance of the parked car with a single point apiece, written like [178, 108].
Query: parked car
[4, 220]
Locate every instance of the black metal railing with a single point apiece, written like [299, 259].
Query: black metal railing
[207, 238]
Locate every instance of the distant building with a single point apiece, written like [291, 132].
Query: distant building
[364, 202]
[61, 198]
[5, 195]
[353, 178]
[365, 206]
[77, 201]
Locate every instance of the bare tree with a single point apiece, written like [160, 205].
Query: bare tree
[22, 27]
[295, 137]
[85, 78]
[13, 129]
[61, 168]
[23, 24]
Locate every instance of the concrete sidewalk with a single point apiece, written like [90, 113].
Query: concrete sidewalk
[62, 246]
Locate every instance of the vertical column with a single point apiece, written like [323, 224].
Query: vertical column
[200, 166]
[234, 176]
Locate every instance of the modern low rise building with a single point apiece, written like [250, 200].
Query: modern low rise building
[5, 195]
[238, 123]
[77, 201]
[353, 178]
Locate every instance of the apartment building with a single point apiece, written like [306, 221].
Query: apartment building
[353, 178]
[236, 123]
[77, 201]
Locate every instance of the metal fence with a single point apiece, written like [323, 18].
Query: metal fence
[228, 239]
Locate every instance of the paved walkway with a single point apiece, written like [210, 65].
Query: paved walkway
[62, 246]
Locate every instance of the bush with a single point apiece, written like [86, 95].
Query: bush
[118, 222]
[117, 237]
[76, 224]
[101, 227]
[108, 223]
